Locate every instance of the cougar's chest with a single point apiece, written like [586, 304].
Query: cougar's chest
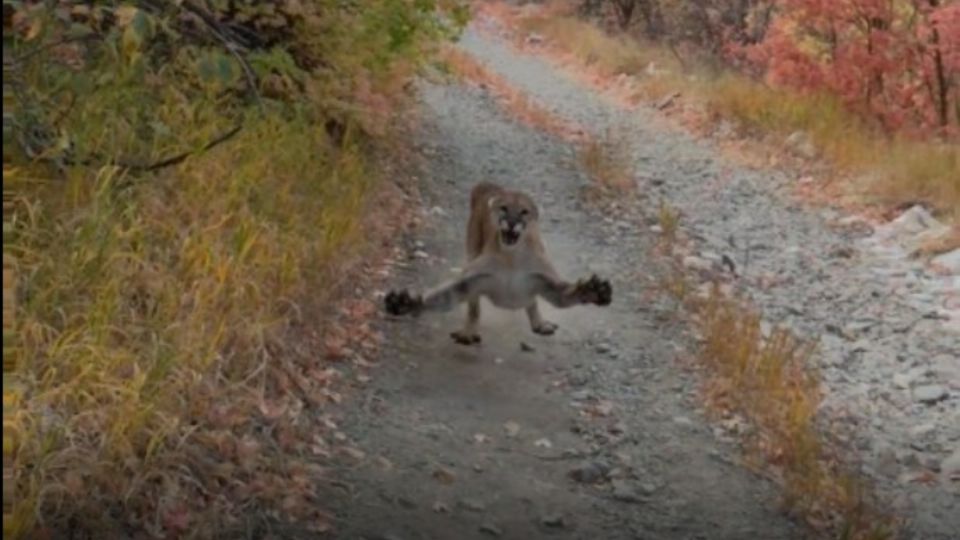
[511, 290]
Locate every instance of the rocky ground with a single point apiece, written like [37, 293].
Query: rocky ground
[594, 432]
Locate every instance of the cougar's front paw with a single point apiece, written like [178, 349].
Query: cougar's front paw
[465, 338]
[595, 291]
[402, 302]
[545, 328]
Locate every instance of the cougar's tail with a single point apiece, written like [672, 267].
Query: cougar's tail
[481, 191]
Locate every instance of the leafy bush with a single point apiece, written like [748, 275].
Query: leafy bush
[186, 176]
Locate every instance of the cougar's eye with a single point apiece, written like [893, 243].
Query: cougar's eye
[524, 212]
[503, 209]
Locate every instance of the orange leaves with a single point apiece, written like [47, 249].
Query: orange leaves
[898, 66]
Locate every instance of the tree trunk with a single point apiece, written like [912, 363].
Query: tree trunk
[942, 104]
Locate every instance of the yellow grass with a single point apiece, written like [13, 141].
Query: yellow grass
[768, 378]
[151, 307]
[901, 170]
[606, 159]
[610, 55]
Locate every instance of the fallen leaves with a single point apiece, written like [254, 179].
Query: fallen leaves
[602, 408]
[444, 475]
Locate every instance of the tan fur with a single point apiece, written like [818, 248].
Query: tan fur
[510, 275]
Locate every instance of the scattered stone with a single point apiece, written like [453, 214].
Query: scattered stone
[923, 430]
[491, 529]
[443, 475]
[907, 225]
[387, 536]
[441, 507]
[525, 347]
[421, 254]
[602, 347]
[800, 143]
[580, 395]
[511, 428]
[951, 466]
[543, 443]
[887, 463]
[930, 393]
[666, 101]
[534, 39]
[603, 408]
[903, 380]
[472, 505]
[623, 492]
[404, 502]
[648, 488]
[589, 472]
[554, 521]
[682, 420]
[948, 262]
[699, 264]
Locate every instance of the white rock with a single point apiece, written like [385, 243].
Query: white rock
[951, 465]
[910, 223]
[693, 262]
[902, 380]
[534, 39]
[922, 430]
[949, 261]
[930, 393]
[801, 144]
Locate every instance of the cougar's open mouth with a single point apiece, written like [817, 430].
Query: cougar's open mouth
[509, 237]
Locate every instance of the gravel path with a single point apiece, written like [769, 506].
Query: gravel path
[594, 432]
[889, 326]
[590, 433]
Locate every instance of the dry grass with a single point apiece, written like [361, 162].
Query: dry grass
[607, 161]
[153, 321]
[668, 219]
[608, 55]
[895, 171]
[178, 327]
[941, 243]
[768, 378]
[900, 170]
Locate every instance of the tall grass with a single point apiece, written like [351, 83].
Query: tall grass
[160, 314]
[769, 378]
[607, 160]
[148, 311]
[904, 170]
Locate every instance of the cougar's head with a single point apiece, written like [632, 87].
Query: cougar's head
[513, 214]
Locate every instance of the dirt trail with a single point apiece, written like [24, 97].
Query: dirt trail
[592, 433]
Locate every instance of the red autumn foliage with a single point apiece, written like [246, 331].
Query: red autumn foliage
[896, 61]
